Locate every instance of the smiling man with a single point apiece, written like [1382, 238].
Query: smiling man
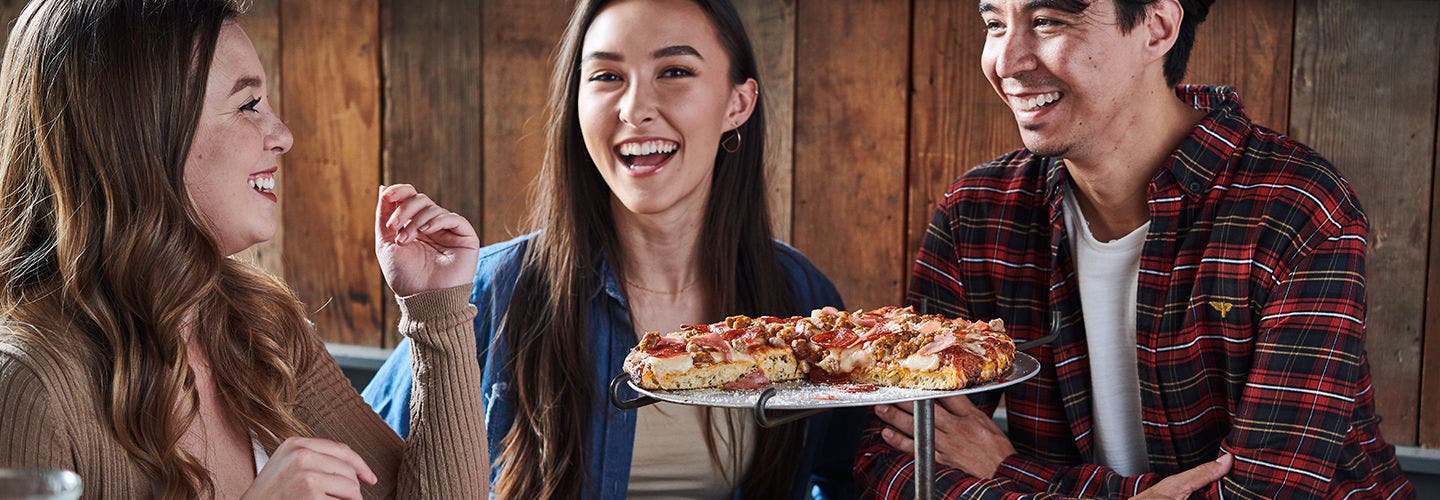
[1205, 276]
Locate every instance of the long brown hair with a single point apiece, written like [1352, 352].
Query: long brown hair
[543, 454]
[106, 256]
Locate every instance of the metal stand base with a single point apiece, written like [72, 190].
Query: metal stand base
[924, 417]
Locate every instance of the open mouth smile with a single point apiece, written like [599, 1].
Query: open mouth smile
[646, 154]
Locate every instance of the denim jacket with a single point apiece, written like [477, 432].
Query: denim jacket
[831, 438]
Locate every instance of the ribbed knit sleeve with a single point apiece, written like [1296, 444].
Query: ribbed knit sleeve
[445, 456]
[30, 434]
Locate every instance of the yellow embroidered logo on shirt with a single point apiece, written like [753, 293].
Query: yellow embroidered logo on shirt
[1222, 307]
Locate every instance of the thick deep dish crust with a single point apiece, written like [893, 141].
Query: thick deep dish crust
[890, 346]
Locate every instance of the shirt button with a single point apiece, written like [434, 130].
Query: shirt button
[1195, 186]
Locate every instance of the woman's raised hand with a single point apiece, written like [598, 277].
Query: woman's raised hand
[422, 246]
[303, 468]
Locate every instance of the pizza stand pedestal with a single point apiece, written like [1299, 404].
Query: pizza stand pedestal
[924, 410]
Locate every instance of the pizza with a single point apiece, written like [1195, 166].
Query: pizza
[890, 346]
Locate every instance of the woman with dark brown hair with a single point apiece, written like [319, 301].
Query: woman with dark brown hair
[651, 213]
[137, 152]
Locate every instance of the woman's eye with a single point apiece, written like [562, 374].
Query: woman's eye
[676, 73]
[250, 106]
[605, 77]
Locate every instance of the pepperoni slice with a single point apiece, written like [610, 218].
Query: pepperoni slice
[699, 328]
[838, 338]
[667, 347]
[942, 341]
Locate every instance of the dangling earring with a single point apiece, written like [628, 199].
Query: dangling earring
[726, 143]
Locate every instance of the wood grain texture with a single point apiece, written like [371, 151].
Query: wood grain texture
[1247, 45]
[331, 65]
[520, 37]
[850, 125]
[956, 119]
[432, 136]
[771, 26]
[1429, 412]
[1379, 131]
[262, 23]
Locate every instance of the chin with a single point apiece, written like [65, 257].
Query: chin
[1042, 146]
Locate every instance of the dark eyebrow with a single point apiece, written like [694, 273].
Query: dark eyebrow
[243, 83]
[608, 56]
[677, 50]
[986, 7]
[1052, 4]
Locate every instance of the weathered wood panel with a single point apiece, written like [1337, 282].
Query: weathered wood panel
[956, 119]
[432, 135]
[1247, 45]
[850, 121]
[1430, 376]
[331, 64]
[771, 26]
[520, 37]
[1365, 99]
[262, 24]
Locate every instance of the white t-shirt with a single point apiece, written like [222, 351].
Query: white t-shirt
[1108, 273]
[261, 458]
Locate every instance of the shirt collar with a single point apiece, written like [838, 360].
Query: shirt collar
[609, 283]
[1210, 145]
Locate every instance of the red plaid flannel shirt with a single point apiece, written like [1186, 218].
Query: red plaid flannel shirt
[1250, 323]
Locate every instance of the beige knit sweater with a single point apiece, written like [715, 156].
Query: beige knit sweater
[51, 415]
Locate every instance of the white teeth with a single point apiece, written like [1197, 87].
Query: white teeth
[648, 147]
[262, 184]
[1038, 102]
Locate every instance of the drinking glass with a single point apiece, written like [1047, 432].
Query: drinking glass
[39, 484]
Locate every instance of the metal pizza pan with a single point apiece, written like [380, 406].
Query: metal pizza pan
[805, 395]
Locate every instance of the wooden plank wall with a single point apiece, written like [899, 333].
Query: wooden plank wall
[882, 97]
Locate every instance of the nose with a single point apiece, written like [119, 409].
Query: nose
[1014, 54]
[279, 139]
[637, 106]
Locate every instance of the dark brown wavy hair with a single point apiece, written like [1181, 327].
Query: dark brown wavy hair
[105, 257]
[544, 453]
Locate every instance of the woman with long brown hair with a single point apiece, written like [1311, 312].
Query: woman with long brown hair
[137, 152]
[650, 214]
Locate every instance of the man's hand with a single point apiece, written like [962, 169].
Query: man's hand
[1181, 485]
[965, 437]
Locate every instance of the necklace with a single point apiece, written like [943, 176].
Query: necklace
[682, 289]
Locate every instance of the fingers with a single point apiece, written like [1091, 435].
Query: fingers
[1183, 484]
[1203, 474]
[403, 214]
[326, 456]
[961, 406]
[417, 223]
[898, 441]
[896, 417]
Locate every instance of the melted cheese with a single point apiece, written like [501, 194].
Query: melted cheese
[847, 360]
[672, 365]
[921, 363]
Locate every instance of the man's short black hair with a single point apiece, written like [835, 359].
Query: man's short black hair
[1129, 13]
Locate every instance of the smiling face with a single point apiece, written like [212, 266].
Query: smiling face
[655, 96]
[1066, 76]
[230, 172]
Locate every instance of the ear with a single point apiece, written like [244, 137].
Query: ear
[1162, 27]
[742, 103]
